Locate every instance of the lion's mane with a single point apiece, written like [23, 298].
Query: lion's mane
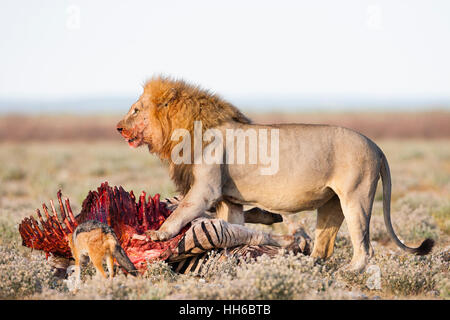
[179, 104]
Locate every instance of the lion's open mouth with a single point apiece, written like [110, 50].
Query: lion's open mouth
[135, 142]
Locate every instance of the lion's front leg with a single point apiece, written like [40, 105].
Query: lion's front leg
[205, 192]
[189, 209]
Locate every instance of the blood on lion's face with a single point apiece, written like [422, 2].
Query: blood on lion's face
[140, 125]
[167, 105]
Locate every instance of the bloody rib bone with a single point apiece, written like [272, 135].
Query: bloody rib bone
[113, 206]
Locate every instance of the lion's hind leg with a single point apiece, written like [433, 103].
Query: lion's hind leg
[329, 220]
[357, 209]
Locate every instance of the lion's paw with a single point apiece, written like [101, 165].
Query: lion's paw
[157, 235]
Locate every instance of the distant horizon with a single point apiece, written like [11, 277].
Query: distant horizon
[273, 103]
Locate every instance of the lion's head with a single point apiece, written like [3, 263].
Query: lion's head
[166, 105]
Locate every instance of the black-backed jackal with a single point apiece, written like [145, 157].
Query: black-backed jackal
[98, 241]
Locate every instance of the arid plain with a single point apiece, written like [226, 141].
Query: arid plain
[41, 154]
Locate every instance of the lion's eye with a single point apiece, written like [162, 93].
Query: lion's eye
[136, 110]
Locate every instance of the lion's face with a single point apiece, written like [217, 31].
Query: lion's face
[141, 125]
[167, 105]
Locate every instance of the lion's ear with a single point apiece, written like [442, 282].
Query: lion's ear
[171, 95]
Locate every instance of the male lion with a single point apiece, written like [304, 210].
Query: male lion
[332, 169]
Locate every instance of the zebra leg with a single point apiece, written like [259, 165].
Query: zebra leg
[208, 234]
[240, 235]
[257, 215]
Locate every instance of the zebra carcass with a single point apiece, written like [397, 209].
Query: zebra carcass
[130, 218]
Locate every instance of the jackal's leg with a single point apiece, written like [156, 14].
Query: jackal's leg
[110, 264]
[77, 268]
[329, 220]
[97, 261]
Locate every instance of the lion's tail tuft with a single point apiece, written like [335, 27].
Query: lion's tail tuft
[425, 247]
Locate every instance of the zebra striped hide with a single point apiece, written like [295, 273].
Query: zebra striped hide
[225, 240]
[210, 234]
[202, 263]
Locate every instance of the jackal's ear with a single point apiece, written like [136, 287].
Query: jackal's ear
[170, 96]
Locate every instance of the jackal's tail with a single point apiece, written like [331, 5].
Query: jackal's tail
[123, 260]
[427, 244]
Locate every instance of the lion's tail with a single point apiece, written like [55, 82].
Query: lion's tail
[427, 244]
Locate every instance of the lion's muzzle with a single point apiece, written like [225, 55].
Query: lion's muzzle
[133, 139]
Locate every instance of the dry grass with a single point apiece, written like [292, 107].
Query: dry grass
[32, 172]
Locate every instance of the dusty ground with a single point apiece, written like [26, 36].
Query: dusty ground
[31, 172]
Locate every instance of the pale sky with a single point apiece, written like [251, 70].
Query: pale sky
[240, 49]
